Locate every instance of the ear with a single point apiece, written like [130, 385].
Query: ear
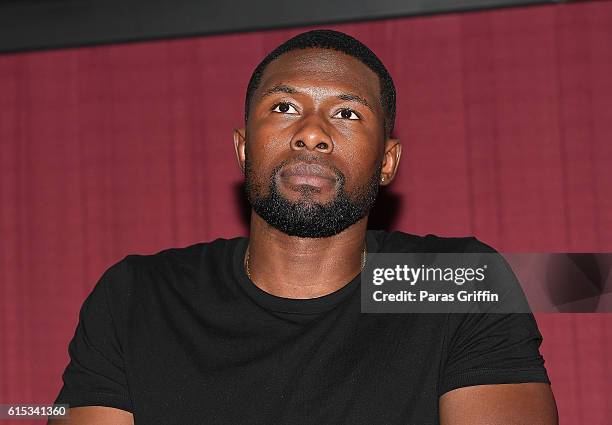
[240, 146]
[391, 159]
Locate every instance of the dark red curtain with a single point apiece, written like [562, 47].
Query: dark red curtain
[505, 117]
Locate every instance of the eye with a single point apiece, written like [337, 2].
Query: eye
[284, 108]
[348, 114]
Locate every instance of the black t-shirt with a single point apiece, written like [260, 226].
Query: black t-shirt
[184, 337]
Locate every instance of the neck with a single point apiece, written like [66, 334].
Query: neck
[294, 267]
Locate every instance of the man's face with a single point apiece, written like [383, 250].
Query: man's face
[314, 143]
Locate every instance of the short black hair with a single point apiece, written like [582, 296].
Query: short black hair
[335, 40]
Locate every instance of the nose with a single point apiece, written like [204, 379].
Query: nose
[312, 136]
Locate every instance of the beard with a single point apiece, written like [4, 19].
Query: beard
[306, 218]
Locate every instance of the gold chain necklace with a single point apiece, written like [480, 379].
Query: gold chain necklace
[364, 255]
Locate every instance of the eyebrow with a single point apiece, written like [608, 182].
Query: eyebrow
[282, 88]
[279, 88]
[354, 98]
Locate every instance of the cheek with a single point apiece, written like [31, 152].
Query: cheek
[263, 154]
[264, 138]
[361, 156]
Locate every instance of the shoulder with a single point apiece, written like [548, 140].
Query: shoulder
[168, 265]
[398, 241]
[188, 257]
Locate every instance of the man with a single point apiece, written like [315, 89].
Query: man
[268, 330]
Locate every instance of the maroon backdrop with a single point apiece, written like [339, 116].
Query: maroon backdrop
[505, 117]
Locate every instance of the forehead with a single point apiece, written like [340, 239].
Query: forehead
[325, 68]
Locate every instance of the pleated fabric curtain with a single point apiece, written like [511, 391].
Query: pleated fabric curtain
[505, 117]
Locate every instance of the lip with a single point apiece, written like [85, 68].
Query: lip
[305, 169]
[311, 174]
